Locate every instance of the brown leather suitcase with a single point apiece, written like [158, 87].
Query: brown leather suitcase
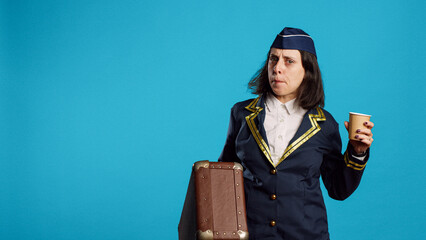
[214, 206]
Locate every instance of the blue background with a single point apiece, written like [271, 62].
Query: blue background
[105, 105]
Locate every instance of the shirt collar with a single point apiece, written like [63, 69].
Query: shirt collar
[273, 103]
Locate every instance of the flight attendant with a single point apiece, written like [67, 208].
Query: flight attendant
[285, 141]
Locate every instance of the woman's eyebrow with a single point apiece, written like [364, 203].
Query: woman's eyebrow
[285, 56]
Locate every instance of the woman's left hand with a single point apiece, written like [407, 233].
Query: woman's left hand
[364, 136]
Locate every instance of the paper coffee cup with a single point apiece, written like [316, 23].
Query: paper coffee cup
[356, 121]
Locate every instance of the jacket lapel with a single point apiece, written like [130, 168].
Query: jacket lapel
[307, 129]
[255, 123]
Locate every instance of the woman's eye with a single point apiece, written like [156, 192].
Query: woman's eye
[290, 61]
[274, 59]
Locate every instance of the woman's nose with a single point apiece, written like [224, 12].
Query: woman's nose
[279, 67]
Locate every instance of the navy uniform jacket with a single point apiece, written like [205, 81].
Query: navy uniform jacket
[285, 201]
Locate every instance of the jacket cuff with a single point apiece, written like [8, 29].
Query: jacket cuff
[353, 162]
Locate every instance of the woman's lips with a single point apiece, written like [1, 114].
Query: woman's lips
[277, 81]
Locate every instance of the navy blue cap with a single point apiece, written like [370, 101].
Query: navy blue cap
[294, 38]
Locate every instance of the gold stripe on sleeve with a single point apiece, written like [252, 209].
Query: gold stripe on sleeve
[352, 164]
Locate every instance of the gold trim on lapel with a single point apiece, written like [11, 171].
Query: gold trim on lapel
[256, 134]
[314, 118]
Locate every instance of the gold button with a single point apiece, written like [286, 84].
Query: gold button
[272, 223]
[273, 196]
[273, 171]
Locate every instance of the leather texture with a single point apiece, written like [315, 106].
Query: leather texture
[220, 203]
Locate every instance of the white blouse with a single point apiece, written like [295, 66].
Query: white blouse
[281, 123]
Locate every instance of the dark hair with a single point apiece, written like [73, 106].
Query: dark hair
[311, 91]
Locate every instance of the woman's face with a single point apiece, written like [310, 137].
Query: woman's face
[285, 73]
